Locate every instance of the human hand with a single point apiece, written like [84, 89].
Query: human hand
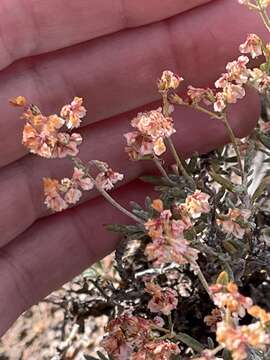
[54, 50]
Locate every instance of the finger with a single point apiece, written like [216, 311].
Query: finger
[21, 182]
[29, 27]
[56, 249]
[103, 71]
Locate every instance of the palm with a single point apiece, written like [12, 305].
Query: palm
[53, 50]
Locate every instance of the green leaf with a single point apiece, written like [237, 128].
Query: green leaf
[227, 184]
[154, 180]
[261, 188]
[190, 341]
[130, 231]
[223, 278]
[265, 139]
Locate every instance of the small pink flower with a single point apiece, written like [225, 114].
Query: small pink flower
[231, 225]
[151, 129]
[163, 300]
[161, 252]
[228, 297]
[197, 204]
[252, 46]
[156, 350]
[67, 145]
[73, 113]
[259, 79]
[73, 196]
[222, 81]
[198, 94]
[153, 124]
[159, 146]
[138, 146]
[59, 194]
[126, 334]
[168, 242]
[53, 199]
[169, 80]
[233, 92]
[158, 321]
[238, 339]
[237, 70]
[81, 179]
[220, 103]
[42, 137]
[108, 178]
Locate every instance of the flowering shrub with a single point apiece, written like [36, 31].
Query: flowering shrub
[196, 259]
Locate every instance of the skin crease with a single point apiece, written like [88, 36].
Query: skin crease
[62, 54]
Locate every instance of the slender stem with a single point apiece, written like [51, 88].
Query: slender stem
[180, 165]
[163, 171]
[170, 323]
[179, 101]
[264, 15]
[234, 143]
[252, 6]
[104, 193]
[115, 203]
[217, 350]
[203, 280]
[205, 111]
[200, 275]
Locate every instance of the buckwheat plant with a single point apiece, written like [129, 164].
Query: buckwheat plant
[196, 258]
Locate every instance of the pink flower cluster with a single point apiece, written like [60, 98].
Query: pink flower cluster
[168, 81]
[235, 222]
[130, 338]
[232, 83]
[42, 135]
[168, 242]
[164, 300]
[152, 128]
[157, 350]
[59, 195]
[196, 204]
[106, 178]
[238, 339]
[228, 297]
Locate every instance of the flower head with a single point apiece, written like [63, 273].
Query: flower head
[18, 101]
[60, 194]
[156, 350]
[238, 339]
[125, 334]
[228, 297]
[151, 130]
[252, 46]
[197, 95]
[73, 113]
[169, 80]
[107, 178]
[138, 145]
[42, 135]
[259, 79]
[196, 204]
[235, 222]
[237, 70]
[163, 300]
[168, 243]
